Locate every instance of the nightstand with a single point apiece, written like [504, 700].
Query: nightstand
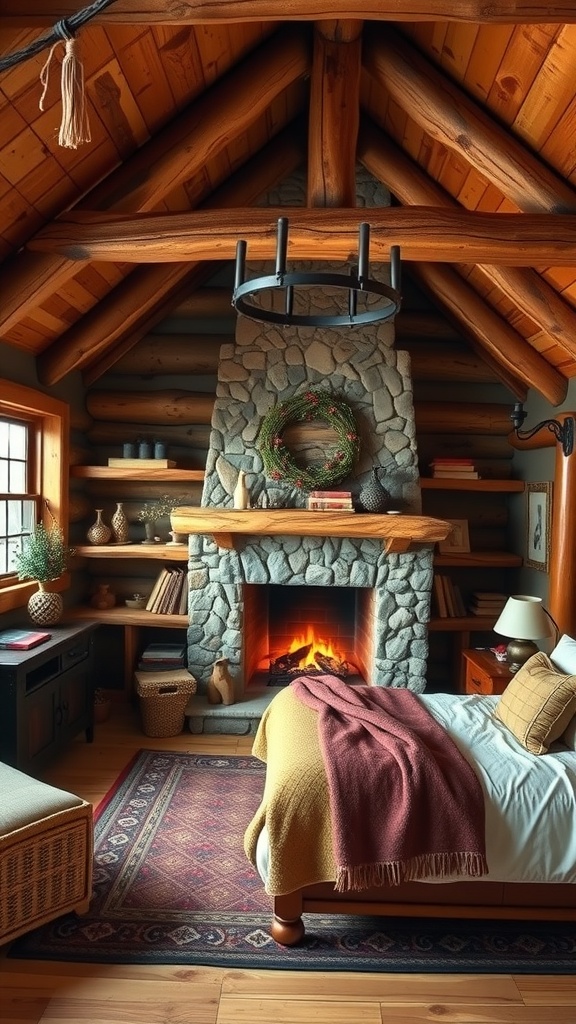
[484, 674]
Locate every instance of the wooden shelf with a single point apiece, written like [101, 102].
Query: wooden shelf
[458, 484]
[147, 475]
[479, 560]
[396, 532]
[165, 552]
[122, 616]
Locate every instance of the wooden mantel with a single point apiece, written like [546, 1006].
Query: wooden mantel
[397, 532]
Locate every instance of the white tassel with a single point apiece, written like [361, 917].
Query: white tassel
[74, 127]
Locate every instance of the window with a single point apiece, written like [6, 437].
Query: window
[33, 469]
[18, 505]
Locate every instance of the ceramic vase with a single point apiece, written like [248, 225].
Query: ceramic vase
[99, 533]
[373, 496]
[44, 607]
[119, 523]
[241, 496]
[103, 598]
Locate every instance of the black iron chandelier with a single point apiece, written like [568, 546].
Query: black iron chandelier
[356, 283]
[563, 432]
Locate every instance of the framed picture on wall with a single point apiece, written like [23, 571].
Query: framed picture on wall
[538, 518]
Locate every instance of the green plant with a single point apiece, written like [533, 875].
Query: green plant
[163, 506]
[44, 555]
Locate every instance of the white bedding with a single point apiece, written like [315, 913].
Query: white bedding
[530, 800]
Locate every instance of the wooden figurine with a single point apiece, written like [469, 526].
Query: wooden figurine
[220, 685]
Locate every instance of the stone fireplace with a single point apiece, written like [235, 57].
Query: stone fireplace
[231, 583]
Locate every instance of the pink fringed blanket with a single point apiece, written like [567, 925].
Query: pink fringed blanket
[404, 802]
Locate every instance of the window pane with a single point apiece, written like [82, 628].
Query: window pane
[4, 476]
[16, 477]
[18, 441]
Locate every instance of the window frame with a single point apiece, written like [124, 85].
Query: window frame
[49, 419]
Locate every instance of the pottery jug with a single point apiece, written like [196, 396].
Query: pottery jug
[103, 598]
[373, 496]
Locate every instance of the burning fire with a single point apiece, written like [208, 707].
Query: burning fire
[318, 645]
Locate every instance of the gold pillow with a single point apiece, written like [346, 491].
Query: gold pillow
[537, 704]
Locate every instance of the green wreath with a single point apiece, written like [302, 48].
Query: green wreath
[310, 405]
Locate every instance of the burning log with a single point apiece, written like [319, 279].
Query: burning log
[333, 666]
[289, 662]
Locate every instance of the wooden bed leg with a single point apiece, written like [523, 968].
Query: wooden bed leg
[287, 924]
[287, 933]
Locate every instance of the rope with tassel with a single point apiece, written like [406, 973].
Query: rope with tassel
[74, 126]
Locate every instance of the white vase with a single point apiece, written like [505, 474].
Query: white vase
[241, 495]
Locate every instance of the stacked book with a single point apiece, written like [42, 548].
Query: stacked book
[162, 657]
[448, 598]
[169, 595]
[487, 603]
[330, 501]
[453, 469]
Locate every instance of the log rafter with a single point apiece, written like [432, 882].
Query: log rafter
[450, 117]
[525, 287]
[184, 12]
[334, 113]
[423, 233]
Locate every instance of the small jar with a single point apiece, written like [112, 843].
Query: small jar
[144, 450]
[129, 450]
[159, 449]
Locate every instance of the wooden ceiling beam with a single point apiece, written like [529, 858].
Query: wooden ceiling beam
[525, 287]
[514, 357]
[149, 294]
[334, 113]
[423, 233]
[451, 118]
[172, 156]
[186, 12]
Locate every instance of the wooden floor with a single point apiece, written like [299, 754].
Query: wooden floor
[32, 991]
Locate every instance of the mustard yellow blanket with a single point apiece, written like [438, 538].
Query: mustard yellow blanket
[296, 805]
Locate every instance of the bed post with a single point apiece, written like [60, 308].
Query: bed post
[287, 924]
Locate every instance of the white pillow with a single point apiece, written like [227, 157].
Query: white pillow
[569, 735]
[563, 657]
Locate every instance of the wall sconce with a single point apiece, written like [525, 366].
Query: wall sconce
[563, 432]
[356, 283]
[525, 620]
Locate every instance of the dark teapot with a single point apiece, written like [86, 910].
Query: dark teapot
[373, 496]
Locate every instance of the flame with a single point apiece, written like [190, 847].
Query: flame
[325, 647]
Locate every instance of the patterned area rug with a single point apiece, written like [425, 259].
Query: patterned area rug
[173, 886]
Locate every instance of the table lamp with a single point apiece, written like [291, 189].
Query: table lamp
[525, 620]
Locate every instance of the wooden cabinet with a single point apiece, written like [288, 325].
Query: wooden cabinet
[483, 673]
[46, 696]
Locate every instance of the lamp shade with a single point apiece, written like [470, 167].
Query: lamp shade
[524, 618]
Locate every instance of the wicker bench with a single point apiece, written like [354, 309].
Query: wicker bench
[46, 852]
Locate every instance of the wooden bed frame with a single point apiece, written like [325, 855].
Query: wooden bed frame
[475, 899]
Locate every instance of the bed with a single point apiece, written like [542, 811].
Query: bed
[530, 815]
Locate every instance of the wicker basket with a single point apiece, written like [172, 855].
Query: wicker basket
[45, 870]
[163, 699]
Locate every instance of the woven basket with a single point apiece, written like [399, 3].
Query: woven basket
[163, 699]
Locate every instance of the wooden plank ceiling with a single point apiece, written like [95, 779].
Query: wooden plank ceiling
[195, 113]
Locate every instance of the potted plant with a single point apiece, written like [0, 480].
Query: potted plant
[44, 557]
[154, 510]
